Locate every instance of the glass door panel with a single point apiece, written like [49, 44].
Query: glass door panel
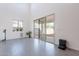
[43, 28]
[50, 28]
[36, 29]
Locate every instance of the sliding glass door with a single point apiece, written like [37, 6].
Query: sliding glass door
[44, 28]
[50, 34]
[36, 29]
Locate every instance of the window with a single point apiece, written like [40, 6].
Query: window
[17, 25]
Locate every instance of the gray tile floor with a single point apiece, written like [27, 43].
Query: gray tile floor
[32, 47]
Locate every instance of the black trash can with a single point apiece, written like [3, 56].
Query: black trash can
[62, 44]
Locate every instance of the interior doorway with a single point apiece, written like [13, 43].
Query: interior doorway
[44, 28]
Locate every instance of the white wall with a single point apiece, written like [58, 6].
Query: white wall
[66, 21]
[10, 12]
